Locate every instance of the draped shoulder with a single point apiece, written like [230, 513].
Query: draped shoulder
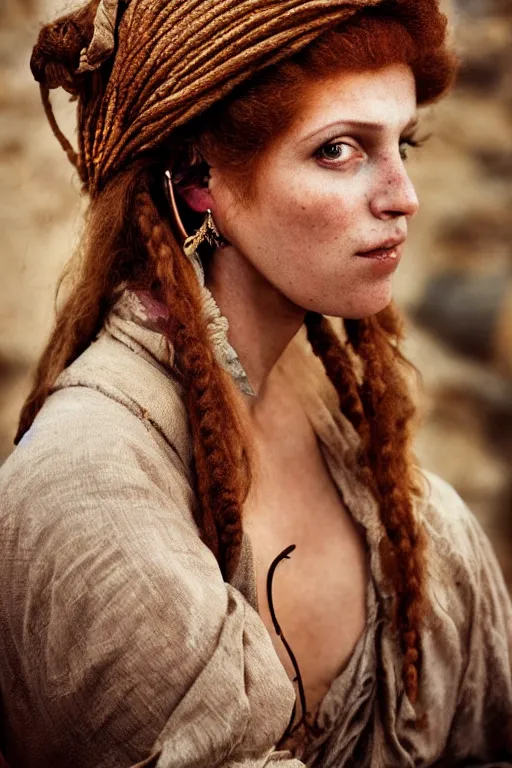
[471, 603]
[118, 636]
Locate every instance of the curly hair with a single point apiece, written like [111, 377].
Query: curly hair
[129, 241]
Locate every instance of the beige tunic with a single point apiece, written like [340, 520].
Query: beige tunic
[119, 639]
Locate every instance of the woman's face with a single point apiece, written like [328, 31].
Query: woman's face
[330, 188]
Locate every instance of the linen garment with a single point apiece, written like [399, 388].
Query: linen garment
[121, 644]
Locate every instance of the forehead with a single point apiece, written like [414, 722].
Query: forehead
[385, 96]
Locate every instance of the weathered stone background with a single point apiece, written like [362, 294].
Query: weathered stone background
[455, 284]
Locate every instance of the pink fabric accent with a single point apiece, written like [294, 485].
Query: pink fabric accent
[156, 310]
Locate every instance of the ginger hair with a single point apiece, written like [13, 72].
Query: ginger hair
[128, 240]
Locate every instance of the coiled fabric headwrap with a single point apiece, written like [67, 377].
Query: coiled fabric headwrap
[196, 51]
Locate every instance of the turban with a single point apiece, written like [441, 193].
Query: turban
[169, 60]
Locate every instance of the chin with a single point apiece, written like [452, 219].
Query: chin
[353, 307]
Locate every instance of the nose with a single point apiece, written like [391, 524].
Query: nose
[395, 195]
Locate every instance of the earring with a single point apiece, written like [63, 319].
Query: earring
[177, 222]
[207, 232]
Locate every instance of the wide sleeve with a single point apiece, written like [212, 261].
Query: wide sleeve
[122, 643]
[481, 730]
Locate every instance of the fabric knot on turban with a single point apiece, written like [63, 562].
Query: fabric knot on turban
[102, 44]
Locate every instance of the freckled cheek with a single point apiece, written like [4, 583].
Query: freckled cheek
[320, 216]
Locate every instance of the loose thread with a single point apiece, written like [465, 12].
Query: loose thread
[285, 555]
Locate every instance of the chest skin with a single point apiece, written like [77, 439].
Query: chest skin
[319, 593]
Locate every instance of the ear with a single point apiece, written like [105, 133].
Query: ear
[197, 198]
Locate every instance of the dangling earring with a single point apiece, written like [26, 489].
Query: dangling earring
[207, 232]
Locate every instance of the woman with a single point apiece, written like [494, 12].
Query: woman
[196, 537]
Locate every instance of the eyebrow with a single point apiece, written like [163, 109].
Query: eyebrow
[364, 125]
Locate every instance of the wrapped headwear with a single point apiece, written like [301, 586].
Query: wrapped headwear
[169, 60]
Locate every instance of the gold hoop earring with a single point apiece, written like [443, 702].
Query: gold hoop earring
[207, 232]
[169, 188]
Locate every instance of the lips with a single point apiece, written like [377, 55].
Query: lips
[386, 245]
